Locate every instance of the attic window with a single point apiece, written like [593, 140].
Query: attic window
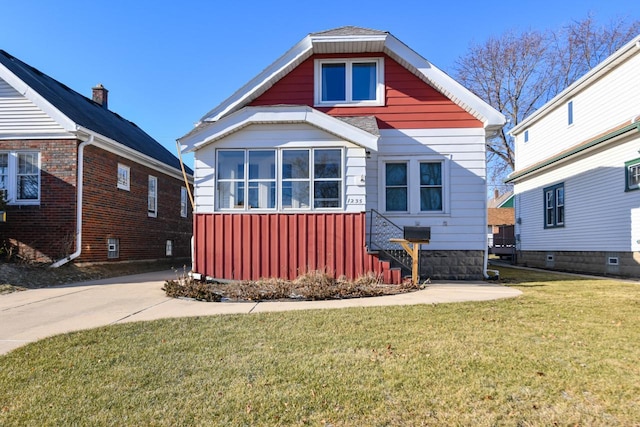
[349, 82]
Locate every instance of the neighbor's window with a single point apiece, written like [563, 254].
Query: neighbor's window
[183, 202]
[304, 178]
[430, 186]
[632, 175]
[570, 112]
[356, 81]
[113, 248]
[20, 177]
[168, 249]
[124, 177]
[396, 187]
[554, 206]
[526, 135]
[4, 176]
[152, 199]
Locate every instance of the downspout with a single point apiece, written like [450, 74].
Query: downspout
[193, 206]
[76, 254]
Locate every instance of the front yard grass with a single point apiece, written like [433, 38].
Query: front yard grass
[564, 353]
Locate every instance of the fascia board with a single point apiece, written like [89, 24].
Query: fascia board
[294, 55]
[466, 99]
[25, 90]
[595, 74]
[115, 147]
[274, 115]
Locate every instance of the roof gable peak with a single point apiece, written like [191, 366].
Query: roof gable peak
[349, 30]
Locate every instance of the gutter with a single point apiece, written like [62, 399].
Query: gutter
[79, 187]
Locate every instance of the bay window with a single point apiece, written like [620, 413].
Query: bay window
[279, 179]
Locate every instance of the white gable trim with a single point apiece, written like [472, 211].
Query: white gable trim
[275, 115]
[23, 89]
[492, 119]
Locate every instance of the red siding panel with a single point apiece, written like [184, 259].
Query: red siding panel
[253, 246]
[410, 102]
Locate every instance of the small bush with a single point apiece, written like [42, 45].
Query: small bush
[313, 285]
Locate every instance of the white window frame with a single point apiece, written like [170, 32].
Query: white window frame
[124, 177]
[152, 197]
[10, 193]
[279, 180]
[183, 202]
[413, 183]
[168, 248]
[380, 88]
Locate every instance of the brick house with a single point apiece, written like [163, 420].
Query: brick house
[81, 182]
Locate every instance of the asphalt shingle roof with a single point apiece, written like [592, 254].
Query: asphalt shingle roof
[87, 113]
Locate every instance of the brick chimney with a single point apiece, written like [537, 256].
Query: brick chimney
[100, 95]
[496, 193]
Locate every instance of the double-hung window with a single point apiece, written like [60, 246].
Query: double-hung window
[632, 175]
[554, 206]
[246, 179]
[396, 187]
[357, 81]
[413, 186]
[152, 199]
[279, 179]
[124, 177]
[20, 177]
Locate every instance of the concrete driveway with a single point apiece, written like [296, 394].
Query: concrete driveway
[38, 313]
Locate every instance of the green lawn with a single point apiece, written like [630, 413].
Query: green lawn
[565, 353]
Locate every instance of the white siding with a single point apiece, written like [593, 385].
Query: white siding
[463, 224]
[599, 214]
[21, 117]
[281, 136]
[610, 101]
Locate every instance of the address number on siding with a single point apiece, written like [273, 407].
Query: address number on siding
[355, 200]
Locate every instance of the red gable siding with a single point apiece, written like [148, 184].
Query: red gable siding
[410, 102]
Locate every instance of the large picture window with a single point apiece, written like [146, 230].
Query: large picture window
[20, 177]
[358, 81]
[554, 206]
[280, 179]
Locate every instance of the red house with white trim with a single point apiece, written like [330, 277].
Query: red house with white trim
[328, 153]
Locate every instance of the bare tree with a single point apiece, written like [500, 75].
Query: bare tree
[516, 73]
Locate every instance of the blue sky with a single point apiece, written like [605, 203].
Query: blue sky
[166, 64]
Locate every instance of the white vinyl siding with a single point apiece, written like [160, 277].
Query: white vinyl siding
[462, 223]
[599, 214]
[611, 101]
[20, 117]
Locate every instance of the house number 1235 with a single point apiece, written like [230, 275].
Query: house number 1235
[355, 200]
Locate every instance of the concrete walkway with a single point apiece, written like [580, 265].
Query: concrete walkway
[38, 313]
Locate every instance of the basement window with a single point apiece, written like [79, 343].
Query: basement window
[113, 248]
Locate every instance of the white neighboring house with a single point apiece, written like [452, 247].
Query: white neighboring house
[577, 173]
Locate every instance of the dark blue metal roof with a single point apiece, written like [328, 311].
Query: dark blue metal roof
[89, 114]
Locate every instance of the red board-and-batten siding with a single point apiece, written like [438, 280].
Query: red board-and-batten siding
[410, 103]
[254, 246]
